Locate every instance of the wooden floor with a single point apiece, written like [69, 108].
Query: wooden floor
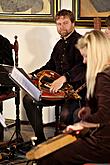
[26, 132]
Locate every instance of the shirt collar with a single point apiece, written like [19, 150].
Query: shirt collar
[68, 35]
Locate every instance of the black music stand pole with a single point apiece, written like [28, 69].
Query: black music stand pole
[17, 99]
[22, 80]
[17, 122]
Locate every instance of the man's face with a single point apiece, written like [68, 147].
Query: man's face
[64, 26]
[107, 31]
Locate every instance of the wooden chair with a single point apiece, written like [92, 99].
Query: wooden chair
[7, 95]
[58, 107]
[12, 94]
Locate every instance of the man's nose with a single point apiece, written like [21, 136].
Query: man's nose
[62, 26]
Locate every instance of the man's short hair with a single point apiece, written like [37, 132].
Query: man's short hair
[107, 21]
[64, 13]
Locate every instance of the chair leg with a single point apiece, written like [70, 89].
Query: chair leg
[1, 133]
[1, 127]
[57, 119]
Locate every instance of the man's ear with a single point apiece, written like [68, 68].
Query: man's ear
[73, 24]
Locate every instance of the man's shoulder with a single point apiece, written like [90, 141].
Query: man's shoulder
[3, 39]
[74, 37]
[75, 33]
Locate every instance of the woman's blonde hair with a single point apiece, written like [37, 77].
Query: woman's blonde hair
[97, 45]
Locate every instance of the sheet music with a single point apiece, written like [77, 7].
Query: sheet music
[25, 83]
[2, 121]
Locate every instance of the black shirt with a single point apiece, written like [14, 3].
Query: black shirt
[67, 60]
[6, 57]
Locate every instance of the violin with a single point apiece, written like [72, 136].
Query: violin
[43, 81]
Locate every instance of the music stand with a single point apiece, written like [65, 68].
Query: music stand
[20, 79]
[5, 70]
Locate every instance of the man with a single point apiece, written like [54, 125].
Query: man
[66, 61]
[107, 22]
[6, 57]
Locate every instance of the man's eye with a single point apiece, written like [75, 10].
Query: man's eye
[58, 24]
[65, 23]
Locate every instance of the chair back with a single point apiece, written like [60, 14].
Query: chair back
[7, 91]
[15, 47]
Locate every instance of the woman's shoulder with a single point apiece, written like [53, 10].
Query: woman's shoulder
[105, 74]
[106, 70]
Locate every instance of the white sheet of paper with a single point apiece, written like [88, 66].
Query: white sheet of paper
[25, 84]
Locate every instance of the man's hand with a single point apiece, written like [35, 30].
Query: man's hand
[57, 84]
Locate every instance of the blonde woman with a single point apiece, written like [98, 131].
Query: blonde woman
[94, 147]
